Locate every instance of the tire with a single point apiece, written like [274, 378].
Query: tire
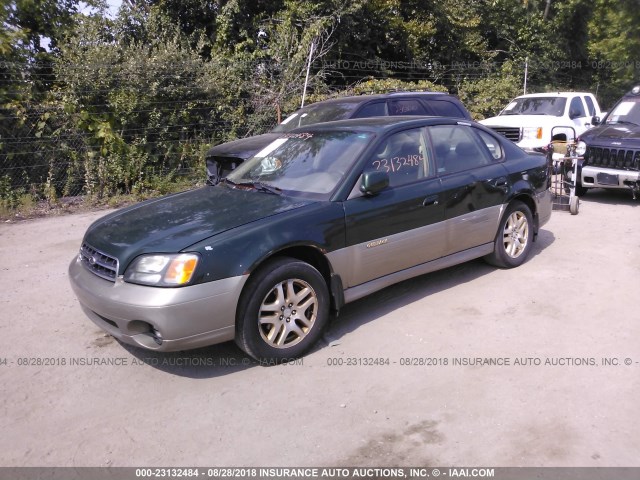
[514, 237]
[574, 205]
[282, 311]
[581, 191]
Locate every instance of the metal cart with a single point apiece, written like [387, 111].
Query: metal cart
[564, 172]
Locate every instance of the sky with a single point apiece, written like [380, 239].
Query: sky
[114, 5]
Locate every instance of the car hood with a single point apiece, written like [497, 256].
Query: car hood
[520, 120]
[173, 223]
[607, 133]
[243, 148]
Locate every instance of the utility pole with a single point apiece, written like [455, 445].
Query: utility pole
[546, 10]
[306, 79]
[526, 72]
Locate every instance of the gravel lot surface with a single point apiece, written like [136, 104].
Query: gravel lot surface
[71, 396]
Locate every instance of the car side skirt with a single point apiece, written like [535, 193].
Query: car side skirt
[359, 291]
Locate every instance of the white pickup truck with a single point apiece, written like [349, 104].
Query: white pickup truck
[532, 121]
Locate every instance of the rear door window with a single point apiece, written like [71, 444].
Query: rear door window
[376, 109]
[443, 108]
[493, 145]
[457, 149]
[406, 107]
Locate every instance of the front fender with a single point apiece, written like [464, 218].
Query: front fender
[239, 251]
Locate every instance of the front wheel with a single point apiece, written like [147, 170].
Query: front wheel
[580, 190]
[514, 237]
[282, 311]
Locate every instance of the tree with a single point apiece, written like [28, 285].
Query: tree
[286, 43]
[614, 44]
[35, 28]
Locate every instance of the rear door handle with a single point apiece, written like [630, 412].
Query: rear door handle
[430, 200]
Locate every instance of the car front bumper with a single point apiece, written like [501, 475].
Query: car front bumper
[184, 318]
[600, 177]
[532, 145]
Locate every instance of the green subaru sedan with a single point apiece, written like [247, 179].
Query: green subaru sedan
[320, 217]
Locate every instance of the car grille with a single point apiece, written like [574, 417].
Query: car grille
[612, 158]
[99, 263]
[512, 133]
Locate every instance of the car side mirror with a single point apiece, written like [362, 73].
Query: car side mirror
[374, 182]
[595, 120]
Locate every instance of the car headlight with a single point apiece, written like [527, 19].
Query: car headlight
[532, 133]
[581, 149]
[162, 270]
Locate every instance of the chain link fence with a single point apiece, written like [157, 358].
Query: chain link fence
[49, 154]
[60, 148]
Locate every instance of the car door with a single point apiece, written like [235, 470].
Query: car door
[402, 225]
[474, 184]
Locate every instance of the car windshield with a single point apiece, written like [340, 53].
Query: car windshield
[309, 164]
[627, 111]
[322, 112]
[536, 106]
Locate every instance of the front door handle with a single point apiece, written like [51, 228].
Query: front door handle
[501, 182]
[430, 200]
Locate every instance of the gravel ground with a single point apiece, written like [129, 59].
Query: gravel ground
[71, 396]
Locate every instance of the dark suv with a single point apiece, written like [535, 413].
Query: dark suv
[612, 149]
[224, 158]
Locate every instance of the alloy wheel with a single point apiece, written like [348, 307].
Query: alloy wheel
[288, 313]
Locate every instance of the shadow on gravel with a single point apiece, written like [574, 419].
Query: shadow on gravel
[380, 303]
[208, 362]
[610, 197]
[227, 358]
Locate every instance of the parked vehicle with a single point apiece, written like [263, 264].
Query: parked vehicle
[226, 157]
[528, 120]
[612, 150]
[322, 216]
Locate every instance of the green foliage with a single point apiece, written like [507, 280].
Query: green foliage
[614, 44]
[372, 86]
[30, 35]
[124, 107]
[9, 196]
[487, 96]
[14, 199]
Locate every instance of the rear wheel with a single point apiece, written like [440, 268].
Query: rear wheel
[514, 237]
[283, 310]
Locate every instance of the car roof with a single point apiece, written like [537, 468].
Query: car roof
[378, 96]
[552, 94]
[379, 124]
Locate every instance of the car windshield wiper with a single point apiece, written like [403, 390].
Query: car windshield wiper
[259, 186]
[231, 183]
[624, 122]
[263, 187]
